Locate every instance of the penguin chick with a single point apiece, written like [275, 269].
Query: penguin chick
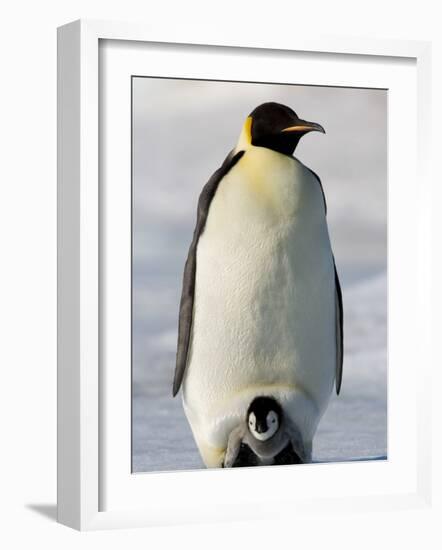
[267, 433]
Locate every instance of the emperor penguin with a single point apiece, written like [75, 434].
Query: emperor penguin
[261, 310]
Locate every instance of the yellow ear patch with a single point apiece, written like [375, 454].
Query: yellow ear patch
[248, 129]
[245, 138]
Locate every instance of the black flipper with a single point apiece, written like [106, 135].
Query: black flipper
[188, 292]
[339, 331]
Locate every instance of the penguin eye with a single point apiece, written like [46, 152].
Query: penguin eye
[273, 420]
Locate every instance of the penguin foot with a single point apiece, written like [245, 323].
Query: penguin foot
[247, 458]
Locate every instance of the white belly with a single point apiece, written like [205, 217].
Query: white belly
[263, 320]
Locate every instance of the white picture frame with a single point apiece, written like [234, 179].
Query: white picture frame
[95, 486]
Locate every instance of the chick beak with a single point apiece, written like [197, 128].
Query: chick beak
[261, 427]
[304, 126]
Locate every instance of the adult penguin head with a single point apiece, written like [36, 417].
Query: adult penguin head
[277, 127]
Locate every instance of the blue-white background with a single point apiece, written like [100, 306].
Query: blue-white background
[182, 131]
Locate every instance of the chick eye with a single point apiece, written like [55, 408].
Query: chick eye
[273, 421]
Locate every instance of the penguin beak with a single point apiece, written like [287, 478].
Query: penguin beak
[261, 427]
[304, 126]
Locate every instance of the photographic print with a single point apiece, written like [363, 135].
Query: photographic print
[259, 274]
